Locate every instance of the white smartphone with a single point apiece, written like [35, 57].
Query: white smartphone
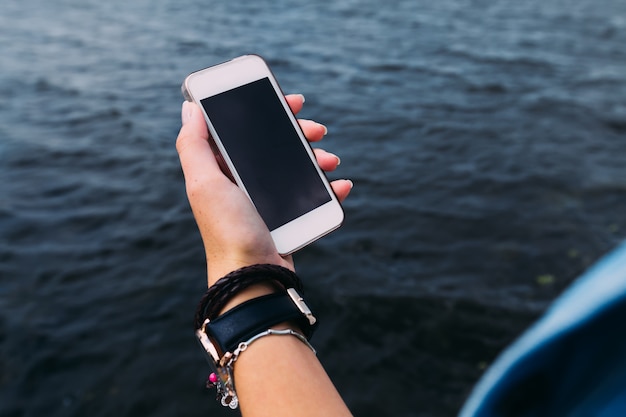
[264, 151]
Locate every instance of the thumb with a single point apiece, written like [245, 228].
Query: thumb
[192, 144]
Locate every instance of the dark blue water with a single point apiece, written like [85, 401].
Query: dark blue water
[486, 141]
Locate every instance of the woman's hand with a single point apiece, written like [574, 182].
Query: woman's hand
[233, 233]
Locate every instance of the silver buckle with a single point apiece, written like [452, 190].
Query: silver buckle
[299, 302]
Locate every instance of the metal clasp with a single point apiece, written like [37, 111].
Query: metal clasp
[299, 302]
[206, 342]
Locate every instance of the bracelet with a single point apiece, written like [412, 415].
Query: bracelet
[222, 378]
[230, 358]
[218, 294]
[269, 332]
[252, 316]
[225, 337]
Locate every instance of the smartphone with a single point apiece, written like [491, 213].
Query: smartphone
[261, 147]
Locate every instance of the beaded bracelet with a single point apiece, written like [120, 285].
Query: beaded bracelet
[218, 294]
[222, 378]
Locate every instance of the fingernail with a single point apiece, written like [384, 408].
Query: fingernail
[351, 183]
[186, 112]
[338, 160]
[325, 130]
[303, 99]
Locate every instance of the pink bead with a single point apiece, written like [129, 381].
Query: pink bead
[213, 378]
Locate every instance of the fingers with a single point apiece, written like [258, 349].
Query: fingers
[313, 131]
[295, 101]
[341, 188]
[326, 160]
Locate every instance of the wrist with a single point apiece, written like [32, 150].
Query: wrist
[243, 307]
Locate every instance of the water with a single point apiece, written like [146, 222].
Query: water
[487, 144]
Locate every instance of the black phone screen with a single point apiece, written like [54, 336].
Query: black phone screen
[266, 152]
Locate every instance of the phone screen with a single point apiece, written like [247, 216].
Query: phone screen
[267, 152]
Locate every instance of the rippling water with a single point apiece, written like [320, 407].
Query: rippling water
[486, 140]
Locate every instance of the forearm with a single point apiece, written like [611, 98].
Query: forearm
[280, 376]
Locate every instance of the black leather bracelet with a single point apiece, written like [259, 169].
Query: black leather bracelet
[253, 316]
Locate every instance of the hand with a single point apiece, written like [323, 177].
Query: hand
[233, 233]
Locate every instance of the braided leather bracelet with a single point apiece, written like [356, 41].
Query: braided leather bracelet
[218, 294]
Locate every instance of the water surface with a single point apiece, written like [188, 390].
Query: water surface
[486, 141]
